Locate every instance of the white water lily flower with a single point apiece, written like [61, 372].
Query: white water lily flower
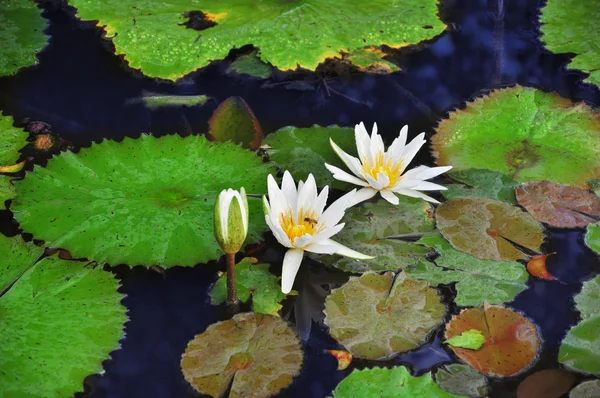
[300, 222]
[381, 171]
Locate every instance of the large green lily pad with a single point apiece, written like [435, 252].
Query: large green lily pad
[11, 140]
[525, 133]
[476, 280]
[370, 229]
[17, 256]
[485, 228]
[461, 380]
[396, 382]
[376, 317]
[154, 36]
[592, 237]
[58, 322]
[580, 350]
[148, 201]
[481, 183]
[22, 35]
[7, 191]
[571, 26]
[259, 352]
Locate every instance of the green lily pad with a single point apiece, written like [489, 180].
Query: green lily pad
[371, 60]
[485, 228]
[156, 37]
[376, 317]
[156, 100]
[595, 185]
[233, 120]
[570, 26]
[580, 350]
[592, 237]
[59, 321]
[22, 35]
[7, 191]
[261, 353]
[17, 256]
[250, 64]
[587, 389]
[306, 150]
[525, 133]
[482, 183]
[388, 383]
[251, 280]
[370, 228]
[461, 380]
[148, 201]
[11, 140]
[477, 280]
[472, 339]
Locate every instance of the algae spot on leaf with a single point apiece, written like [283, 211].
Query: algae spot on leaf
[461, 380]
[487, 228]
[233, 120]
[376, 317]
[481, 183]
[251, 352]
[511, 345]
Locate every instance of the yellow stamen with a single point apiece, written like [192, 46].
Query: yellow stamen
[392, 170]
[308, 223]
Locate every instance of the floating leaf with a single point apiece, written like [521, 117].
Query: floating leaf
[461, 380]
[343, 357]
[595, 185]
[587, 389]
[251, 280]
[580, 350]
[388, 383]
[524, 133]
[570, 26]
[306, 150]
[11, 140]
[559, 205]
[485, 228]
[60, 320]
[170, 41]
[370, 59]
[471, 339]
[369, 229]
[592, 237]
[549, 383]
[7, 191]
[17, 256]
[22, 35]
[481, 183]
[234, 121]
[511, 342]
[148, 201]
[376, 317]
[250, 64]
[477, 280]
[259, 352]
[156, 100]
[537, 267]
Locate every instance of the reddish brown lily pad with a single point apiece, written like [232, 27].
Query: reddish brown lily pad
[511, 344]
[259, 352]
[549, 383]
[559, 205]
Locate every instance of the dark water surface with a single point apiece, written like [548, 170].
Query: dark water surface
[82, 90]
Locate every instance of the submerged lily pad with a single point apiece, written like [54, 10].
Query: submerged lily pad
[7, 191]
[59, 321]
[250, 64]
[525, 133]
[233, 120]
[22, 35]
[148, 201]
[461, 380]
[477, 280]
[371, 229]
[559, 205]
[376, 317]
[587, 389]
[158, 100]
[485, 228]
[371, 60]
[174, 39]
[259, 352]
[592, 237]
[571, 26]
[511, 345]
[482, 183]
[396, 382]
[580, 350]
[252, 280]
[547, 383]
[11, 140]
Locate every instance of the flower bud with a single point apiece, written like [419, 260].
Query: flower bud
[231, 220]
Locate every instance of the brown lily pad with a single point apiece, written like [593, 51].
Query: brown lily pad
[559, 205]
[487, 228]
[511, 344]
[549, 383]
[259, 352]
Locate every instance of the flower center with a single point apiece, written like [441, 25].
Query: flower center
[392, 170]
[307, 224]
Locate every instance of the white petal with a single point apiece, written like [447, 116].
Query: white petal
[411, 149]
[347, 252]
[278, 232]
[429, 186]
[307, 197]
[266, 205]
[288, 187]
[335, 212]
[301, 241]
[277, 199]
[376, 143]
[321, 248]
[327, 233]
[430, 172]
[363, 143]
[291, 264]
[416, 194]
[351, 162]
[395, 150]
[383, 179]
[389, 196]
[341, 175]
[362, 195]
[321, 201]
[374, 183]
[225, 198]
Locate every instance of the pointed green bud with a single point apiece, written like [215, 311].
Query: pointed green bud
[231, 220]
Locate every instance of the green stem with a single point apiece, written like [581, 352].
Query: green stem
[233, 304]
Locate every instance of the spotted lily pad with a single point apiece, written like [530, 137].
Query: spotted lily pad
[171, 40]
[233, 120]
[396, 382]
[260, 353]
[511, 345]
[148, 201]
[11, 140]
[525, 133]
[477, 280]
[592, 237]
[22, 35]
[252, 280]
[485, 228]
[481, 183]
[461, 380]
[376, 317]
[559, 205]
[7, 191]
[587, 389]
[580, 350]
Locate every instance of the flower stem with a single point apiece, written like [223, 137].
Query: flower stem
[233, 304]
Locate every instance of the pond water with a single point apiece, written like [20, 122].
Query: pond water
[84, 92]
